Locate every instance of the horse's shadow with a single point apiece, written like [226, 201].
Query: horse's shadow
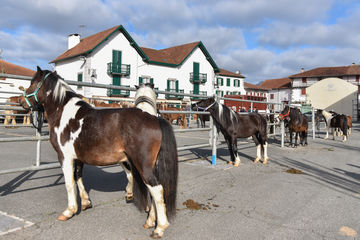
[94, 178]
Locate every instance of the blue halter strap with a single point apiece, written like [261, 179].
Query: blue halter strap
[36, 91]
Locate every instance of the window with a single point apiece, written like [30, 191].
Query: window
[220, 82]
[146, 79]
[303, 80]
[303, 91]
[357, 78]
[79, 79]
[172, 85]
[228, 82]
[271, 96]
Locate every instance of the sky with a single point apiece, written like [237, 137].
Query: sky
[262, 39]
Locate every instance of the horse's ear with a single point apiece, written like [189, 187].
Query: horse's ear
[136, 86]
[55, 72]
[39, 69]
[152, 85]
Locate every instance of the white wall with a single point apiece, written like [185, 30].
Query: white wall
[11, 85]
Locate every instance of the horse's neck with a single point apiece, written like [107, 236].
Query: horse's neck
[328, 116]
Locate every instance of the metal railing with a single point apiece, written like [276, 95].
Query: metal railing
[39, 138]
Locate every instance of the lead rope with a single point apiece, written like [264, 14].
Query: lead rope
[38, 116]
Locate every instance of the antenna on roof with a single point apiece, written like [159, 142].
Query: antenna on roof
[81, 27]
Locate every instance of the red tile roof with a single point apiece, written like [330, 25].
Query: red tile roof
[86, 44]
[10, 68]
[227, 73]
[330, 72]
[277, 83]
[255, 87]
[172, 55]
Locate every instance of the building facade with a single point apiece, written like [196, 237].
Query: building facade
[12, 85]
[113, 57]
[279, 91]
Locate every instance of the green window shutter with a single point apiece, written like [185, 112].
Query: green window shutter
[196, 70]
[116, 57]
[234, 82]
[228, 82]
[177, 85]
[222, 82]
[217, 81]
[80, 79]
[168, 85]
[151, 81]
[140, 81]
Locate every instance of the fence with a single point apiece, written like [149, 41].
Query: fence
[212, 128]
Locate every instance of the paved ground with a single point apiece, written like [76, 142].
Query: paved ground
[252, 201]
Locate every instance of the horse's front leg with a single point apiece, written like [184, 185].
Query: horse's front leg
[258, 149]
[290, 133]
[129, 187]
[235, 152]
[229, 143]
[85, 201]
[68, 171]
[296, 138]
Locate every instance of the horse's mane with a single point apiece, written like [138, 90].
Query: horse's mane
[224, 111]
[59, 86]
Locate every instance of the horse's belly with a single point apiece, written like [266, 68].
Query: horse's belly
[103, 158]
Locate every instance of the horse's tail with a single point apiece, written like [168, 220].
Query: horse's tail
[166, 170]
[345, 125]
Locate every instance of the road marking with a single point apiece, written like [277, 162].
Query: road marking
[10, 223]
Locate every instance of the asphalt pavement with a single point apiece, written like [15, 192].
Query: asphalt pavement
[307, 193]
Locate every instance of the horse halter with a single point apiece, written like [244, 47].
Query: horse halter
[285, 115]
[26, 96]
[204, 109]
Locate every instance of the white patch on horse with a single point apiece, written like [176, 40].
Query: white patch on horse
[220, 111]
[60, 90]
[69, 112]
[145, 106]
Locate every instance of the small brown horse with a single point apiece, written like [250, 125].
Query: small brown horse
[179, 117]
[15, 101]
[349, 124]
[233, 125]
[81, 134]
[297, 122]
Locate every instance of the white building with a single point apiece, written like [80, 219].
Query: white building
[279, 91]
[12, 85]
[229, 83]
[113, 57]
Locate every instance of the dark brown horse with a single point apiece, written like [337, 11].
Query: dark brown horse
[202, 118]
[297, 123]
[233, 125]
[179, 117]
[81, 134]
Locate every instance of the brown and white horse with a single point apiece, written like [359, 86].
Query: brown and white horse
[179, 117]
[82, 134]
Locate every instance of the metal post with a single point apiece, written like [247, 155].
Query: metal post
[313, 121]
[251, 106]
[214, 137]
[282, 126]
[38, 143]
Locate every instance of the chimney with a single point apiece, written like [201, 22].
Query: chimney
[302, 70]
[353, 63]
[238, 72]
[73, 40]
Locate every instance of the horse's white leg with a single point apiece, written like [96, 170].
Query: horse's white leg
[266, 157]
[237, 160]
[68, 170]
[150, 221]
[157, 193]
[129, 186]
[258, 153]
[327, 132]
[13, 120]
[85, 201]
[344, 139]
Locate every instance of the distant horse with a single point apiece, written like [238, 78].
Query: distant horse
[102, 104]
[15, 101]
[179, 117]
[82, 134]
[297, 122]
[349, 125]
[233, 125]
[333, 121]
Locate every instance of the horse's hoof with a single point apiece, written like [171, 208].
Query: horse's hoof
[155, 235]
[236, 164]
[146, 226]
[129, 199]
[230, 163]
[256, 160]
[265, 161]
[62, 217]
[87, 206]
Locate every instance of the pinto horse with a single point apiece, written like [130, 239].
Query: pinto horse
[233, 125]
[333, 121]
[297, 122]
[81, 134]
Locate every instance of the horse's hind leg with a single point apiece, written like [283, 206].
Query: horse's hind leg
[85, 201]
[235, 152]
[68, 170]
[266, 157]
[129, 187]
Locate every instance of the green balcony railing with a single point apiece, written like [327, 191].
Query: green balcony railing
[118, 92]
[115, 69]
[198, 78]
[199, 93]
[171, 96]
